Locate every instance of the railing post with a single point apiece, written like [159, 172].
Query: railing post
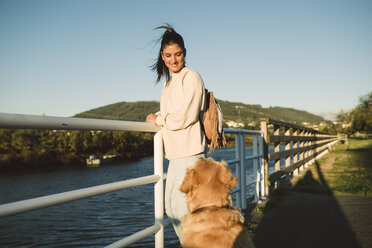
[264, 127]
[287, 146]
[262, 169]
[237, 169]
[278, 161]
[256, 173]
[277, 148]
[159, 189]
[296, 144]
[307, 152]
[243, 176]
[301, 155]
[314, 150]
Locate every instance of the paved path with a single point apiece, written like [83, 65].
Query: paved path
[317, 220]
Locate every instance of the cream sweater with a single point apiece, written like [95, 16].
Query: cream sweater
[181, 102]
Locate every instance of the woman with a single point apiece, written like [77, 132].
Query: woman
[182, 100]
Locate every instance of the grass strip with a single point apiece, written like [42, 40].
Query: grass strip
[352, 170]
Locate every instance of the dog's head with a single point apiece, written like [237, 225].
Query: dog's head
[208, 182]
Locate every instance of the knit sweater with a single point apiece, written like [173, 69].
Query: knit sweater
[182, 100]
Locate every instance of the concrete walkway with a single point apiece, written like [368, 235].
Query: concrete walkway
[309, 215]
[317, 220]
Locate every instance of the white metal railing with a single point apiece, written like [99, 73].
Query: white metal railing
[240, 162]
[17, 121]
[56, 199]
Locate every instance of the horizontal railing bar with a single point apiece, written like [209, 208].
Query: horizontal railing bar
[18, 121]
[139, 235]
[250, 183]
[286, 153]
[287, 138]
[167, 223]
[254, 157]
[232, 161]
[236, 189]
[244, 131]
[286, 124]
[278, 174]
[51, 200]
[135, 237]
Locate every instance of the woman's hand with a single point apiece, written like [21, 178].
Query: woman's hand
[151, 118]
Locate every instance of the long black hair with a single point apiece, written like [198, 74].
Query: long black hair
[169, 37]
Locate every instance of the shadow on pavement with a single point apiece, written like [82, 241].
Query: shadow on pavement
[306, 215]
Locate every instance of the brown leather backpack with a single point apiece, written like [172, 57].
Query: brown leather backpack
[211, 120]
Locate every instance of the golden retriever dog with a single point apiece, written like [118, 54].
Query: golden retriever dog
[212, 221]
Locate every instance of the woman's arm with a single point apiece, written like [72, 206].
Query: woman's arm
[190, 108]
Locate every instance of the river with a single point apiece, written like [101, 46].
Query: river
[93, 222]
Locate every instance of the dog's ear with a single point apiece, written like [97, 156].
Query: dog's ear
[233, 183]
[226, 177]
[189, 181]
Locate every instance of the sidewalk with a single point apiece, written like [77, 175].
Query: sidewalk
[317, 219]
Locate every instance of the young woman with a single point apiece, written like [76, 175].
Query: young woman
[182, 100]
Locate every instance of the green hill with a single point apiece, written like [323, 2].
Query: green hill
[248, 113]
[233, 111]
[129, 111]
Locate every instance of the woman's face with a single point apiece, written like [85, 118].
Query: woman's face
[173, 57]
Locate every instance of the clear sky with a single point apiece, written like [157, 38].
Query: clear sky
[63, 57]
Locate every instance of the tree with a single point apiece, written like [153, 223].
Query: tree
[362, 115]
[345, 120]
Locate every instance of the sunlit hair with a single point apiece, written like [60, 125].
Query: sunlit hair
[169, 37]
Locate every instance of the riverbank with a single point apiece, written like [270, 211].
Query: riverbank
[23, 168]
[328, 205]
[41, 149]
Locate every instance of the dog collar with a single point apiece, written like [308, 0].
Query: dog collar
[202, 207]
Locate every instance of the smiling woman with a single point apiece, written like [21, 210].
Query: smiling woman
[173, 57]
[182, 101]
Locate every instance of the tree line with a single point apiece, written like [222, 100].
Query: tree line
[247, 113]
[52, 148]
[358, 120]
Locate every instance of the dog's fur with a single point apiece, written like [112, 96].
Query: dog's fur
[212, 221]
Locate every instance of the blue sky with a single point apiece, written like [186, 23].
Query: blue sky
[64, 57]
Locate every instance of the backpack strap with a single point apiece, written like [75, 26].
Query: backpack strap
[218, 139]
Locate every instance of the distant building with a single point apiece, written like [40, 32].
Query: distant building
[234, 124]
[252, 124]
[315, 127]
[305, 123]
[346, 124]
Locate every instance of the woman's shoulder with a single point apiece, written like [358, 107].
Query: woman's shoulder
[192, 79]
[191, 74]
